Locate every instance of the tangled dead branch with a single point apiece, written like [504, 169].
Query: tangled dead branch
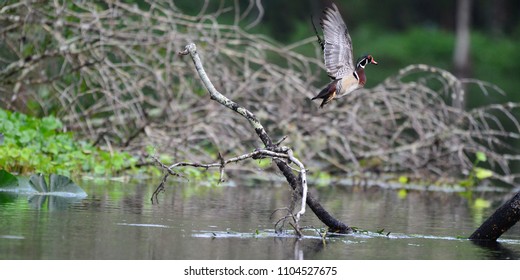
[408, 127]
[111, 72]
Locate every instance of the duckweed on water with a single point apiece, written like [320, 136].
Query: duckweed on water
[32, 145]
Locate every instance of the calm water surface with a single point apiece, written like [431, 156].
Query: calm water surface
[118, 221]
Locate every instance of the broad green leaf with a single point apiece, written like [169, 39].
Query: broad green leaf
[53, 148]
[51, 123]
[482, 173]
[59, 183]
[7, 180]
[24, 138]
[7, 126]
[37, 182]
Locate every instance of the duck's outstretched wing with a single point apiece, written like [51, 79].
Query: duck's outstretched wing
[338, 45]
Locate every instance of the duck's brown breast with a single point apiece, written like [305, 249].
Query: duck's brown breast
[362, 77]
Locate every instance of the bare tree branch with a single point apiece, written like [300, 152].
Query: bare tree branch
[271, 150]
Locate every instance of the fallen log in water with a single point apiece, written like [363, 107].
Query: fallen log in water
[503, 219]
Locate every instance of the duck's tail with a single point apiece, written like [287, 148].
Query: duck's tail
[329, 89]
[327, 94]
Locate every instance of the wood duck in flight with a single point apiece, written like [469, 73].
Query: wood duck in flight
[337, 52]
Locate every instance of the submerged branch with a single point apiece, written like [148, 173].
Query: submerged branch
[503, 219]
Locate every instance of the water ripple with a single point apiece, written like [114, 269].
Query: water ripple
[143, 225]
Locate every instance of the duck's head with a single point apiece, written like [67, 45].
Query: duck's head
[365, 60]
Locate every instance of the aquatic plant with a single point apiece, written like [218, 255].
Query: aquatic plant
[7, 180]
[32, 145]
[477, 173]
[57, 185]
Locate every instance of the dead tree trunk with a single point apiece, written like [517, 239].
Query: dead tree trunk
[296, 183]
[325, 217]
[503, 219]
[462, 47]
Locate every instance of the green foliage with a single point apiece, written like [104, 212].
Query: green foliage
[7, 180]
[34, 145]
[482, 173]
[481, 156]
[477, 173]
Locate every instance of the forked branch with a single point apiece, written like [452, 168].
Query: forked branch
[281, 155]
